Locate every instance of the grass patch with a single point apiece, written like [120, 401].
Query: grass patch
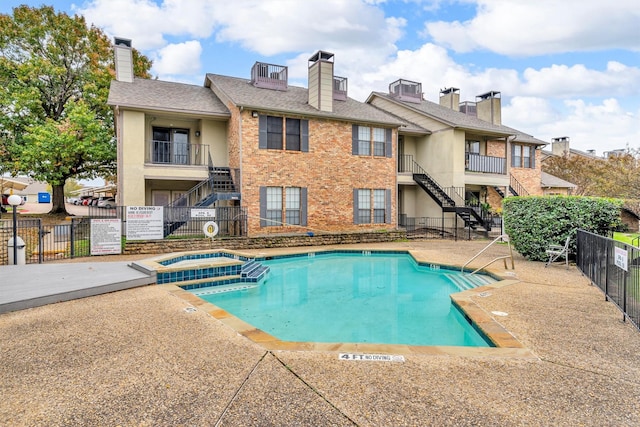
[627, 238]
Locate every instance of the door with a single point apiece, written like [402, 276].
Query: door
[160, 197]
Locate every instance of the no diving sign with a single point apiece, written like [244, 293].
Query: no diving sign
[371, 357]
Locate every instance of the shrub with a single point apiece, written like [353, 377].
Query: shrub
[534, 222]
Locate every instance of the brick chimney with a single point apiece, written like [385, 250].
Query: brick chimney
[488, 107]
[123, 59]
[450, 98]
[321, 82]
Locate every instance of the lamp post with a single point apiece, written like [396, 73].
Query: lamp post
[15, 200]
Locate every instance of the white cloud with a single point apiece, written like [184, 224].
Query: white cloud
[521, 28]
[148, 23]
[177, 59]
[602, 126]
[562, 81]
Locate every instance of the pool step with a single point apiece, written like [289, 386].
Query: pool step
[253, 271]
[209, 282]
[469, 281]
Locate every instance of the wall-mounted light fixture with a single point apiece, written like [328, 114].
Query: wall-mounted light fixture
[198, 133]
[254, 114]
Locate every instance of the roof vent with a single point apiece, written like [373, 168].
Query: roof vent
[406, 90]
[269, 76]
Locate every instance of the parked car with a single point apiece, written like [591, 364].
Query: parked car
[107, 202]
[81, 201]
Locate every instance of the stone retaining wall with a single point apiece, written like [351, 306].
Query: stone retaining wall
[180, 245]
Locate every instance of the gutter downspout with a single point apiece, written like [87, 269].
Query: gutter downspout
[117, 123]
[241, 108]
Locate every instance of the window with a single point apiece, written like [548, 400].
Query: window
[526, 156]
[472, 147]
[293, 206]
[170, 146]
[371, 204]
[272, 201]
[364, 206]
[293, 134]
[523, 156]
[364, 136]
[364, 141]
[274, 132]
[295, 138]
[378, 206]
[378, 142]
[274, 206]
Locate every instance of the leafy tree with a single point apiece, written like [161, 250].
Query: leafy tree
[617, 176]
[55, 73]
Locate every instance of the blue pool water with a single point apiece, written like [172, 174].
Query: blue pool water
[376, 298]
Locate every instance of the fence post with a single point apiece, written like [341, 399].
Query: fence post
[624, 296]
[606, 273]
[72, 238]
[40, 242]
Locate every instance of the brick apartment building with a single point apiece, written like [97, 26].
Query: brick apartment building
[299, 159]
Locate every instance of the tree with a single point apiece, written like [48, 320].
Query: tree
[617, 176]
[55, 73]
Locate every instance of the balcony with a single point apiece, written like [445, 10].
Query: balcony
[406, 90]
[485, 164]
[269, 76]
[177, 153]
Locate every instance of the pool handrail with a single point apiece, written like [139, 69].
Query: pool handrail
[504, 257]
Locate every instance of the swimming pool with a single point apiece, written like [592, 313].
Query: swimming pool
[384, 298]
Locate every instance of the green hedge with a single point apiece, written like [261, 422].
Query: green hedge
[533, 223]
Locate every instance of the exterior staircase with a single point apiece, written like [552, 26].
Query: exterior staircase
[471, 215]
[219, 185]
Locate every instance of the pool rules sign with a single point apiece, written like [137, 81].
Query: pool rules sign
[145, 223]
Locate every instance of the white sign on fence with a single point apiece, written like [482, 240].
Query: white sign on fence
[106, 236]
[622, 258]
[203, 213]
[145, 222]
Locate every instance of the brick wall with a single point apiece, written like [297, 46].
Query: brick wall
[530, 178]
[181, 245]
[329, 172]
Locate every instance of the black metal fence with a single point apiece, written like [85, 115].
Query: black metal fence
[38, 242]
[615, 268]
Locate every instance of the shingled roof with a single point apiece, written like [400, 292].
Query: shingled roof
[166, 96]
[457, 119]
[295, 100]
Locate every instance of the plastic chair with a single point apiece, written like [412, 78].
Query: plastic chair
[558, 251]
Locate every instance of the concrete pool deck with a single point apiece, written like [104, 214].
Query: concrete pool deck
[145, 357]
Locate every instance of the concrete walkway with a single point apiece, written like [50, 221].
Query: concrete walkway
[145, 357]
[33, 285]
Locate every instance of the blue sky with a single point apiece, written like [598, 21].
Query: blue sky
[564, 68]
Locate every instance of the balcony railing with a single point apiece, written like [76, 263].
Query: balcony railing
[269, 76]
[486, 164]
[177, 153]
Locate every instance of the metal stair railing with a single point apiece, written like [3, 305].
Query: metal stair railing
[437, 192]
[504, 257]
[516, 187]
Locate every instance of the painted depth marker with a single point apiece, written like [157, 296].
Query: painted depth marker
[371, 357]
